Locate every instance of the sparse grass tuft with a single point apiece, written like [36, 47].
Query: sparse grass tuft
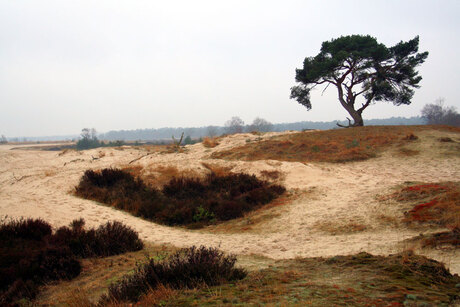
[407, 152]
[442, 239]
[217, 169]
[210, 142]
[446, 140]
[332, 227]
[273, 175]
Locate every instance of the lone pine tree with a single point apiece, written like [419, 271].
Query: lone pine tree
[357, 66]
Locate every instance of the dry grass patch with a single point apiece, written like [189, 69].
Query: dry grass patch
[217, 169]
[273, 175]
[210, 142]
[340, 145]
[50, 172]
[439, 240]
[356, 280]
[334, 228]
[408, 152]
[96, 276]
[66, 151]
[159, 175]
[162, 174]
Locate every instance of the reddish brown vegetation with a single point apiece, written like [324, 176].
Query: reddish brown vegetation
[436, 203]
[210, 142]
[342, 145]
[182, 201]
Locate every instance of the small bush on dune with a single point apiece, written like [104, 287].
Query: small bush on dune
[190, 268]
[120, 189]
[115, 238]
[182, 201]
[112, 238]
[30, 254]
[27, 259]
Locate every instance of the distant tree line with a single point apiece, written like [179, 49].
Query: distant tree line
[88, 139]
[164, 134]
[438, 114]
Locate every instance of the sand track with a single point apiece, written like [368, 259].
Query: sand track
[336, 212]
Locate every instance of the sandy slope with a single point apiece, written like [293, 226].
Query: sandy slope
[336, 210]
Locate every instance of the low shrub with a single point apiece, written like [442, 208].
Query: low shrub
[27, 259]
[182, 201]
[112, 238]
[189, 268]
[29, 229]
[30, 254]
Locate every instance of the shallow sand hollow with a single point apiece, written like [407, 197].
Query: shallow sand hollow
[330, 199]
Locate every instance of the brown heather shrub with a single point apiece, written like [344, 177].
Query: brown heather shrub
[112, 238]
[210, 142]
[182, 201]
[189, 268]
[30, 254]
[27, 260]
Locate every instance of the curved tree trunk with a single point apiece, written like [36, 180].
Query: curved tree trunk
[356, 115]
[348, 105]
[357, 118]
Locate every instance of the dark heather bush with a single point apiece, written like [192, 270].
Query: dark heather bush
[112, 238]
[190, 268]
[115, 238]
[31, 255]
[182, 201]
[32, 229]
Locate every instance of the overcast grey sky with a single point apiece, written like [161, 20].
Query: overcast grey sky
[66, 65]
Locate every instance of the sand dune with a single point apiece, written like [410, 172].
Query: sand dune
[335, 210]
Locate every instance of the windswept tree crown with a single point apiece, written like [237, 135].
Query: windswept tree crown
[360, 66]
